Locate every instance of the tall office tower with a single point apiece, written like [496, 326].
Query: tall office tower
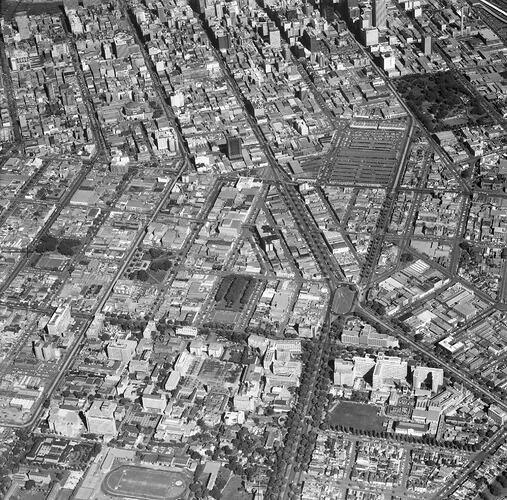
[379, 13]
[23, 25]
[353, 9]
[343, 372]
[389, 370]
[427, 45]
[198, 5]
[223, 41]
[100, 418]
[161, 14]
[121, 349]
[121, 46]
[219, 10]
[370, 36]
[234, 150]
[363, 367]
[423, 375]
[274, 38]
[60, 321]
[366, 18]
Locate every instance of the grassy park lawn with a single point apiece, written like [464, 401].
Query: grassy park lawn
[357, 416]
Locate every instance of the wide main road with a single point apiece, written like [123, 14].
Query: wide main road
[98, 134]
[490, 447]
[159, 88]
[315, 241]
[307, 227]
[9, 92]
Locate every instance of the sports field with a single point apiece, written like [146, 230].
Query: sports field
[144, 484]
[357, 416]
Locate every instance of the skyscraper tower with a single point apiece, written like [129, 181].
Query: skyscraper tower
[379, 13]
[23, 24]
[234, 149]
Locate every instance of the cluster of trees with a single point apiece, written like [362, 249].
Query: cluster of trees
[299, 424]
[427, 440]
[226, 331]
[13, 457]
[65, 246]
[233, 288]
[478, 377]
[200, 491]
[432, 97]
[318, 404]
[139, 275]
[377, 307]
[406, 257]
[336, 329]
[266, 330]
[123, 320]
[339, 350]
[497, 489]
[471, 255]
[163, 264]
[160, 261]
[251, 448]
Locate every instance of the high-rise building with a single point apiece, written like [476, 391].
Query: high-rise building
[198, 5]
[311, 41]
[388, 61]
[370, 36]
[222, 40]
[425, 375]
[274, 36]
[100, 418]
[23, 24]
[178, 100]
[37, 349]
[121, 349]
[172, 380]
[121, 46]
[496, 414]
[45, 351]
[366, 18]
[427, 45]
[388, 370]
[367, 336]
[379, 13]
[343, 372]
[154, 403]
[161, 14]
[60, 321]
[353, 10]
[96, 326]
[106, 50]
[234, 149]
[363, 366]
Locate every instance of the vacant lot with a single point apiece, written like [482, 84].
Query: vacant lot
[235, 491]
[343, 300]
[357, 416]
